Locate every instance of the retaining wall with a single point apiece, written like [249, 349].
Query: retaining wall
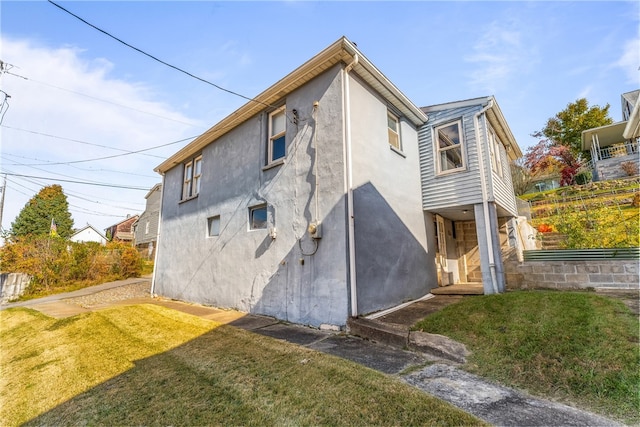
[12, 285]
[621, 274]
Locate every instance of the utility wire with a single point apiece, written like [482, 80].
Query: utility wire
[76, 140]
[16, 163]
[100, 99]
[126, 187]
[155, 58]
[110, 157]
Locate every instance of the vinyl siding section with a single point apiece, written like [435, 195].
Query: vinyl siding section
[151, 215]
[502, 186]
[455, 188]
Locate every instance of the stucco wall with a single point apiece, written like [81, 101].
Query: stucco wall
[248, 269]
[393, 261]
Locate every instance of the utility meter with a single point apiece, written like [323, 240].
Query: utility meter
[315, 230]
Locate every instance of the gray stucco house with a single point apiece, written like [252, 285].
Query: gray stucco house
[321, 198]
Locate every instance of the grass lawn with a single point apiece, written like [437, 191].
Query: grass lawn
[149, 365]
[576, 347]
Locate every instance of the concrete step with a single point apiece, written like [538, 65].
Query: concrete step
[399, 336]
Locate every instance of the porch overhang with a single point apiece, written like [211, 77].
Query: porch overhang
[605, 135]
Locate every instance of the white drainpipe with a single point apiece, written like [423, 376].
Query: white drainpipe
[349, 185]
[155, 257]
[485, 201]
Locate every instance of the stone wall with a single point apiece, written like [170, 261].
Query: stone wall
[621, 274]
[12, 286]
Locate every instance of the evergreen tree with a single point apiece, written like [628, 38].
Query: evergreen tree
[46, 213]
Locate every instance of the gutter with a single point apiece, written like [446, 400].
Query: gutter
[348, 168]
[485, 201]
[155, 257]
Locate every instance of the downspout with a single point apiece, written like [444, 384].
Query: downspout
[485, 201]
[155, 257]
[349, 185]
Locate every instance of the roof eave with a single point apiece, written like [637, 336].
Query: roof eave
[340, 51]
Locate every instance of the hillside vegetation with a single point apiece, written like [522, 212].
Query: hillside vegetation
[596, 215]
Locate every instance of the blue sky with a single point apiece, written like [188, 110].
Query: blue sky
[78, 95]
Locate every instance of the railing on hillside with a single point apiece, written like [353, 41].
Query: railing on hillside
[582, 254]
[618, 150]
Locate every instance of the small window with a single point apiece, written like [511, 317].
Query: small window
[494, 147]
[192, 175]
[213, 226]
[146, 227]
[449, 147]
[276, 146]
[393, 126]
[258, 217]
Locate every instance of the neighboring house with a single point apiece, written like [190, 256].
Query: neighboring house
[307, 203]
[122, 231]
[612, 145]
[145, 229]
[88, 234]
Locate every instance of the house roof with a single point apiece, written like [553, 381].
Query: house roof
[154, 188]
[341, 51]
[87, 227]
[129, 218]
[607, 135]
[495, 116]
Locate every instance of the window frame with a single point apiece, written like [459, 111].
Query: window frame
[191, 180]
[438, 150]
[271, 137]
[210, 221]
[392, 117]
[255, 208]
[496, 155]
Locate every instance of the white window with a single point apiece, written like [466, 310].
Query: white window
[213, 226]
[494, 147]
[393, 125]
[192, 175]
[449, 147]
[146, 228]
[276, 146]
[258, 217]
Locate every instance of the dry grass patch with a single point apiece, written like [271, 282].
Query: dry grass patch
[148, 365]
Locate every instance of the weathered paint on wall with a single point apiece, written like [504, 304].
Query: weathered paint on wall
[248, 269]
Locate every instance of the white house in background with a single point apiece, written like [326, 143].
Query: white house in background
[88, 234]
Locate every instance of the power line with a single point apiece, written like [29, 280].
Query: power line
[126, 187]
[16, 163]
[75, 140]
[100, 99]
[110, 157]
[157, 59]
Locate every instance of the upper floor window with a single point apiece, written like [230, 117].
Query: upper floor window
[276, 147]
[449, 142]
[192, 175]
[393, 125]
[494, 148]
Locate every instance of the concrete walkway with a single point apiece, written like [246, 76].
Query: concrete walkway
[426, 370]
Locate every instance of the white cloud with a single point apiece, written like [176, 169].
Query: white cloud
[500, 54]
[64, 96]
[630, 61]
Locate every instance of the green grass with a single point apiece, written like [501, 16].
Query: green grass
[576, 347]
[149, 365]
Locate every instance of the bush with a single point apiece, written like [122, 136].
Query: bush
[56, 264]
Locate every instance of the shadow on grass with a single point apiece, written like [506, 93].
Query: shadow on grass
[233, 377]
